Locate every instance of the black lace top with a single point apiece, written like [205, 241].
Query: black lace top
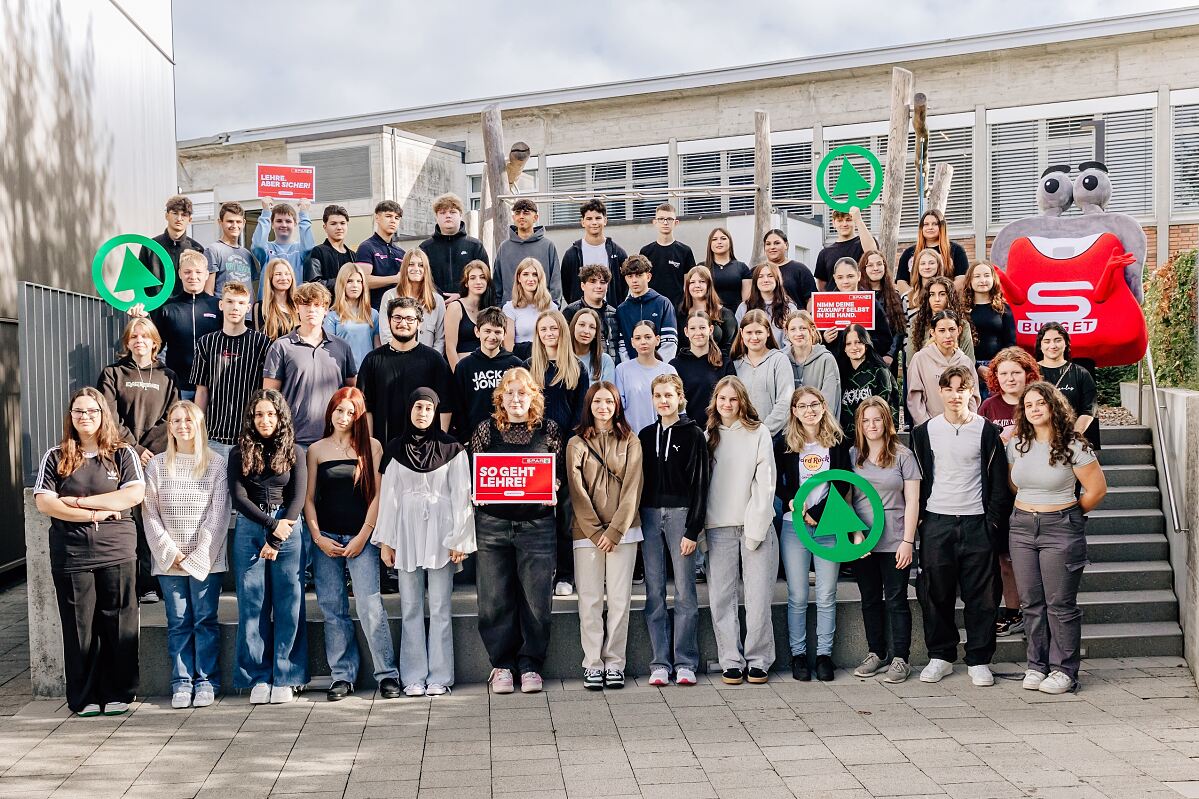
[545, 436]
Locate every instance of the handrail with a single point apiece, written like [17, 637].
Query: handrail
[1146, 364]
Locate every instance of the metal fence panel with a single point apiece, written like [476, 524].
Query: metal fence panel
[65, 339]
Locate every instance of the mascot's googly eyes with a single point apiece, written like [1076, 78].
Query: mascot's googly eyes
[1092, 187]
[1055, 194]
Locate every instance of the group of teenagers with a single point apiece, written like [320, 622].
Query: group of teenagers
[338, 434]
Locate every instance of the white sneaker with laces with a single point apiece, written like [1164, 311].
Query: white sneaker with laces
[89, 711]
[659, 677]
[115, 708]
[181, 699]
[204, 696]
[436, 689]
[260, 694]
[415, 689]
[684, 677]
[282, 694]
[936, 670]
[1032, 680]
[981, 675]
[1056, 683]
[563, 588]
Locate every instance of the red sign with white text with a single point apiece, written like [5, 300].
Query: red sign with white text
[282, 182]
[841, 308]
[513, 477]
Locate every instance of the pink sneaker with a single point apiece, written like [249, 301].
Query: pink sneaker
[530, 682]
[684, 677]
[659, 677]
[501, 681]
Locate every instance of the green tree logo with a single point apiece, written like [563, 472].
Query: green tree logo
[838, 519]
[134, 276]
[857, 191]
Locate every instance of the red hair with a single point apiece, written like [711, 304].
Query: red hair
[1018, 356]
[360, 438]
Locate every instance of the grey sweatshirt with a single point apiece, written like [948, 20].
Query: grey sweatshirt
[769, 384]
[820, 371]
[515, 250]
[741, 490]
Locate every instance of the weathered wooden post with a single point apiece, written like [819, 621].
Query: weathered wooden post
[496, 216]
[762, 201]
[893, 170]
[938, 193]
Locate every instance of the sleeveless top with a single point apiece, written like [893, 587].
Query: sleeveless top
[468, 339]
[340, 506]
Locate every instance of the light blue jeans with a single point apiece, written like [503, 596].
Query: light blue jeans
[193, 634]
[427, 661]
[796, 562]
[663, 529]
[341, 645]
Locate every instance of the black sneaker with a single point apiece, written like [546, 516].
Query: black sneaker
[732, 677]
[639, 577]
[1017, 623]
[800, 669]
[614, 678]
[390, 688]
[757, 676]
[700, 576]
[339, 690]
[390, 584]
[1009, 622]
[593, 679]
[824, 668]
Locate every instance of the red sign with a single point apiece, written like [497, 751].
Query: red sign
[281, 182]
[841, 308]
[514, 477]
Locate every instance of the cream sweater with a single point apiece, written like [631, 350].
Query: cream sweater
[741, 490]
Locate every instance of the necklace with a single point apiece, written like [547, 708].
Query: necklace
[348, 451]
[141, 380]
[957, 428]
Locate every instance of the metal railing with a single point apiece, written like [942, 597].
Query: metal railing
[1159, 407]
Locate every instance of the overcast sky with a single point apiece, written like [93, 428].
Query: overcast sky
[242, 65]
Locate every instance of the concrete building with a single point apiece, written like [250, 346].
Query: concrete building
[1002, 107]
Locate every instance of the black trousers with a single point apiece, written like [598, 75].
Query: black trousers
[515, 573]
[884, 590]
[563, 537]
[956, 555]
[99, 614]
[146, 581]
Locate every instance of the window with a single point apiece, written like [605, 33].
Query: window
[718, 169]
[610, 176]
[1184, 194]
[342, 174]
[1020, 152]
[790, 178]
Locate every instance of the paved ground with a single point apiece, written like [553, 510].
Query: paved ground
[1132, 732]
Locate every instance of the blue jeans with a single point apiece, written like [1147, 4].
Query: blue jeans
[193, 634]
[341, 645]
[272, 641]
[663, 530]
[427, 661]
[796, 562]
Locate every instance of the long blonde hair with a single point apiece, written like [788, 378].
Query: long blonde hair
[567, 364]
[202, 451]
[425, 294]
[540, 298]
[747, 414]
[348, 310]
[828, 433]
[278, 321]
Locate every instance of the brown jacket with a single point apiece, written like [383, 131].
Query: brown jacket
[605, 476]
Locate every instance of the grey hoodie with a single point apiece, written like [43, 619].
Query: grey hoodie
[819, 371]
[769, 384]
[515, 250]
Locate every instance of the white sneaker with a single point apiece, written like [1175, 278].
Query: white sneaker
[416, 689]
[1056, 683]
[181, 699]
[684, 677]
[1032, 680]
[563, 588]
[981, 675]
[115, 708]
[260, 694]
[282, 694]
[436, 689]
[659, 677]
[89, 711]
[204, 696]
[936, 670]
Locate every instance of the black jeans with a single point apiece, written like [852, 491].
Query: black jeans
[956, 554]
[98, 609]
[145, 581]
[884, 591]
[515, 574]
[565, 546]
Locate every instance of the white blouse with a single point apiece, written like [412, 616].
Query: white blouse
[423, 515]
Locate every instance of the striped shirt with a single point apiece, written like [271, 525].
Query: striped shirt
[230, 367]
[186, 516]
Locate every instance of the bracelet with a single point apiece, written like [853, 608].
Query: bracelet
[93, 515]
[913, 543]
[370, 525]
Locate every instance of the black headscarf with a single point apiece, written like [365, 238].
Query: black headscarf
[422, 450]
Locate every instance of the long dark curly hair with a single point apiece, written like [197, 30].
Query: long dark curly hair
[278, 453]
[923, 323]
[1061, 419]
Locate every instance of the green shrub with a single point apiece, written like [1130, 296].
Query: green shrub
[1170, 308]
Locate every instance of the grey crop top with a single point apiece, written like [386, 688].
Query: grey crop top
[1038, 483]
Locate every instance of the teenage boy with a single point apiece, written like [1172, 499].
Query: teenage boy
[287, 245]
[228, 260]
[478, 374]
[328, 257]
[526, 239]
[382, 252]
[227, 369]
[185, 319]
[307, 366]
[853, 240]
[390, 373]
[644, 303]
[671, 259]
[965, 502]
[449, 248]
[174, 239]
[593, 248]
[595, 280]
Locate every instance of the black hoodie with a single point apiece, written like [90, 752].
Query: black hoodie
[448, 254]
[872, 378]
[182, 322]
[676, 466]
[699, 378]
[324, 261]
[572, 262]
[139, 399]
[476, 377]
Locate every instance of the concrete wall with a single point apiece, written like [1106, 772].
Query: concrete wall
[1178, 440]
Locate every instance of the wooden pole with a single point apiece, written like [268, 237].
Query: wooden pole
[938, 193]
[495, 211]
[762, 200]
[893, 170]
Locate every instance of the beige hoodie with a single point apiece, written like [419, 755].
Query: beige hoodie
[741, 489]
[924, 396]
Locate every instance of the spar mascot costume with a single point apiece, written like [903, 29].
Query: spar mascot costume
[1082, 270]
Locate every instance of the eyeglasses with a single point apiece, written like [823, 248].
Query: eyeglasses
[808, 406]
[405, 320]
[515, 394]
[85, 413]
[661, 219]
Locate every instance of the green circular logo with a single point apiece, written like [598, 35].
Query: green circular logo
[850, 182]
[134, 276]
[838, 519]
